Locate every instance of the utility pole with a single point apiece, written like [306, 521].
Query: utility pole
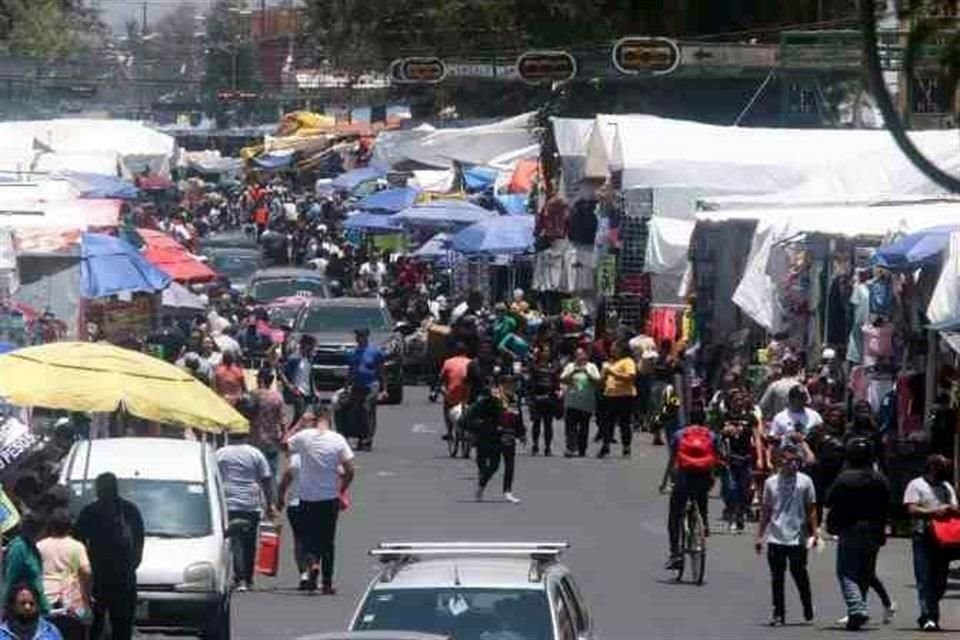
[143, 19]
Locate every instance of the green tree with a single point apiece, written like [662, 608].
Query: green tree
[48, 28]
[230, 56]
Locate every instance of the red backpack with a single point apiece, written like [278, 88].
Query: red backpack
[695, 450]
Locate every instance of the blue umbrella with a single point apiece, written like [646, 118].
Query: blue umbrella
[443, 214]
[916, 249]
[110, 265]
[499, 235]
[436, 247]
[479, 178]
[391, 200]
[372, 222]
[355, 177]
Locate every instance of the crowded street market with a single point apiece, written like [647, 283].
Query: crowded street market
[687, 356]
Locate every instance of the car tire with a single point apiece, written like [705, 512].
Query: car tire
[218, 624]
[394, 395]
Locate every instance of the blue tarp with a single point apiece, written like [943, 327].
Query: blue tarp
[391, 200]
[514, 203]
[110, 265]
[500, 235]
[443, 214]
[352, 179]
[435, 248]
[479, 178]
[96, 185]
[916, 249]
[274, 160]
[372, 222]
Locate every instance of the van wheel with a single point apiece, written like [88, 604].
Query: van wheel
[218, 624]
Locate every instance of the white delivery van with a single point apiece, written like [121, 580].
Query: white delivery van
[184, 581]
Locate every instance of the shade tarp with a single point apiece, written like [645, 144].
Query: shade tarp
[179, 264]
[572, 135]
[372, 222]
[99, 377]
[668, 244]
[943, 311]
[654, 152]
[110, 266]
[496, 235]
[275, 160]
[479, 178]
[391, 200]
[105, 163]
[95, 185]
[177, 296]
[524, 176]
[352, 179]
[757, 293]
[438, 246]
[917, 249]
[442, 214]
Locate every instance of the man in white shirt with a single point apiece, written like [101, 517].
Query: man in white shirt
[796, 420]
[323, 452]
[246, 477]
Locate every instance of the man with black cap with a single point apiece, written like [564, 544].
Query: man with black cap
[858, 500]
[366, 382]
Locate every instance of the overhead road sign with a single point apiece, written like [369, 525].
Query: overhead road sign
[535, 67]
[643, 55]
[417, 70]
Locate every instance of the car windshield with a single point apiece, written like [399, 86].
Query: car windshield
[282, 316]
[233, 265]
[170, 508]
[464, 614]
[266, 290]
[335, 319]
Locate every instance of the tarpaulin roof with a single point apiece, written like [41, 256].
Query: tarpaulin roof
[524, 175]
[110, 265]
[179, 264]
[104, 163]
[350, 180]
[660, 152]
[438, 246]
[513, 203]
[442, 214]
[757, 292]
[572, 135]
[944, 309]
[275, 160]
[177, 296]
[496, 235]
[373, 222]
[389, 199]
[95, 185]
[99, 377]
[158, 239]
[917, 248]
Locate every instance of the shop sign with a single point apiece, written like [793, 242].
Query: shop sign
[535, 67]
[16, 441]
[636, 55]
[417, 70]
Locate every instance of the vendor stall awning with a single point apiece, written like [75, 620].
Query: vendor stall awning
[944, 309]
[918, 248]
[179, 264]
[443, 214]
[352, 179]
[99, 377]
[391, 200]
[95, 185]
[496, 235]
[372, 222]
[110, 265]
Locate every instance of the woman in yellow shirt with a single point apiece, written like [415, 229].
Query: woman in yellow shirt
[619, 389]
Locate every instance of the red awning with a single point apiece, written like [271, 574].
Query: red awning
[179, 264]
[524, 175]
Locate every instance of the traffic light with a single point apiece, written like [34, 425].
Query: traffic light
[535, 67]
[417, 70]
[636, 55]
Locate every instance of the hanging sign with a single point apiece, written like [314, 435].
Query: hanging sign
[535, 67]
[636, 55]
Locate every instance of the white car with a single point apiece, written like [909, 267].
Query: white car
[475, 591]
[184, 580]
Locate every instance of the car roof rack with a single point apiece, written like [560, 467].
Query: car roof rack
[395, 555]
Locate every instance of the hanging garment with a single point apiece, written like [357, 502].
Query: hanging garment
[881, 296]
[580, 265]
[583, 223]
[877, 343]
[858, 383]
[877, 390]
[548, 268]
[838, 313]
[860, 304]
[662, 324]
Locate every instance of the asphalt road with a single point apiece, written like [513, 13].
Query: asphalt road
[609, 510]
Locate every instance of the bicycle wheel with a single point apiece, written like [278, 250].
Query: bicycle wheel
[453, 443]
[696, 543]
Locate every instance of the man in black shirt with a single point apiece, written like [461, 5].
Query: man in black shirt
[112, 530]
[858, 502]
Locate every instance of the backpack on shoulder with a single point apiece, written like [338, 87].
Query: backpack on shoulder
[695, 450]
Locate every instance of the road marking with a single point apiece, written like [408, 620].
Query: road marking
[424, 428]
[386, 474]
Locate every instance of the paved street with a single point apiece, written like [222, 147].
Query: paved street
[608, 509]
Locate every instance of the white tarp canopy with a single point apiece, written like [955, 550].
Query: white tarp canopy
[944, 309]
[136, 145]
[440, 148]
[572, 135]
[600, 142]
[105, 163]
[872, 178]
[668, 242]
[659, 152]
[757, 295]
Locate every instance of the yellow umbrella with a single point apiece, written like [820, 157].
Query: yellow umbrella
[88, 376]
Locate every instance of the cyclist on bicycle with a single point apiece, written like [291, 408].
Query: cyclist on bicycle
[693, 455]
[453, 381]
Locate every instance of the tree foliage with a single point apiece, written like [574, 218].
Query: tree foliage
[48, 28]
